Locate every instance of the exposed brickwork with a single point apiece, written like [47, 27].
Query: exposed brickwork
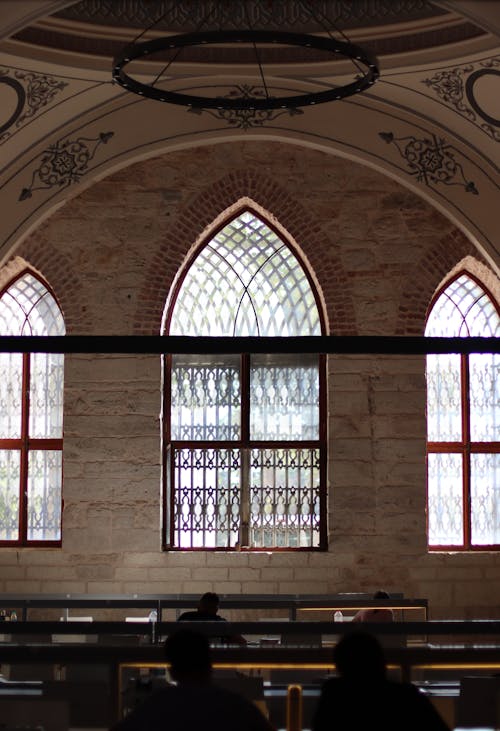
[439, 261]
[196, 222]
[60, 273]
[377, 254]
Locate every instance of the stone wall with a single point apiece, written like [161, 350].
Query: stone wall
[377, 253]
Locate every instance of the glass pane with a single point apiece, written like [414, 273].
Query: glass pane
[11, 369]
[28, 308]
[207, 498]
[445, 501]
[206, 396]
[245, 282]
[284, 397]
[463, 309]
[285, 498]
[444, 416]
[44, 495]
[46, 395]
[9, 494]
[484, 379]
[485, 499]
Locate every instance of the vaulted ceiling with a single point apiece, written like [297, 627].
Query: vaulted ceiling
[432, 121]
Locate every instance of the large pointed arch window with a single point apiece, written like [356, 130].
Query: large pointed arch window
[31, 415]
[463, 423]
[245, 434]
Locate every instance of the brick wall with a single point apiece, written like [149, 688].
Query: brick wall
[377, 253]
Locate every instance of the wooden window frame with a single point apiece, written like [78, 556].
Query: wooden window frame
[25, 444]
[244, 443]
[465, 447]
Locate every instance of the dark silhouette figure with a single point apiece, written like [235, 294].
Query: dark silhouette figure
[194, 703]
[363, 698]
[375, 615]
[207, 611]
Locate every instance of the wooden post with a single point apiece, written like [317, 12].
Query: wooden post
[294, 708]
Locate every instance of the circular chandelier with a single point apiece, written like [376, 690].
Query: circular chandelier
[365, 65]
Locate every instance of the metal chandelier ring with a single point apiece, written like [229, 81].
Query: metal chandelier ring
[341, 49]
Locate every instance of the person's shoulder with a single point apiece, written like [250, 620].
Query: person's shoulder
[231, 699]
[417, 707]
[228, 694]
[151, 711]
[331, 682]
[234, 707]
[187, 616]
[405, 693]
[332, 686]
[402, 688]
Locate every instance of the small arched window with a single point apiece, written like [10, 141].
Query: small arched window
[463, 423]
[245, 434]
[31, 418]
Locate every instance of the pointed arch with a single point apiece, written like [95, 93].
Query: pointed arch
[463, 421]
[212, 207]
[263, 284]
[245, 434]
[31, 417]
[436, 266]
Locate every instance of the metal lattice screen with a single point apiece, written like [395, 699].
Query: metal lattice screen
[260, 486]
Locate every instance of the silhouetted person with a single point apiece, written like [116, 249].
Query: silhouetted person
[375, 615]
[207, 611]
[194, 703]
[363, 698]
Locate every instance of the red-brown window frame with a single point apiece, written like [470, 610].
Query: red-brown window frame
[465, 447]
[26, 444]
[168, 526]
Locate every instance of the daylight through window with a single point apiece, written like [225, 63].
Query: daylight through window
[31, 415]
[463, 423]
[245, 466]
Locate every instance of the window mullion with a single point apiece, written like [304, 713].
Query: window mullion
[466, 435]
[246, 281]
[25, 444]
[245, 452]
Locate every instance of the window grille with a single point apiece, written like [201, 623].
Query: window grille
[245, 456]
[31, 419]
[463, 423]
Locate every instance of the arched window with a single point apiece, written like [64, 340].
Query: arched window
[31, 415]
[245, 434]
[463, 420]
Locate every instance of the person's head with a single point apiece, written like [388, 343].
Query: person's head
[381, 595]
[188, 653]
[209, 603]
[358, 656]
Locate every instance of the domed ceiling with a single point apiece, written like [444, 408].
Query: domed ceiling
[432, 120]
[385, 26]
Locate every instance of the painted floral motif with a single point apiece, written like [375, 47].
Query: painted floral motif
[64, 163]
[451, 87]
[40, 90]
[33, 92]
[247, 118]
[431, 160]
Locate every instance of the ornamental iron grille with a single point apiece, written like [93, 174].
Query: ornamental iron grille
[245, 466]
[463, 423]
[31, 418]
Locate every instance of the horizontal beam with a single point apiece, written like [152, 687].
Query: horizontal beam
[455, 628]
[177, 344]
